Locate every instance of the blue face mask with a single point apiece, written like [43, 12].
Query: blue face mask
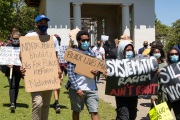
[129, 54]
[85, 45]
[157, 55]
[42, 28]
[174, 58]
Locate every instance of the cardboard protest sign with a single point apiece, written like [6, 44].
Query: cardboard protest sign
[39, 60]
[9, 55]
[160, 112]
[62, 50]
[84, 63]
[170, 78]
[132, 77]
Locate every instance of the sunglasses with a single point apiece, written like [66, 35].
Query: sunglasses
[83, 40]
[15, 38]
[171, 54]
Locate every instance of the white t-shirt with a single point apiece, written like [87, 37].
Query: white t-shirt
[56, 45]
[99, 52]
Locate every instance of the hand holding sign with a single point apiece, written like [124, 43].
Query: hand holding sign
[84, 63]
[10, 56]
[170, 78]
[132, 77]
[160, 112]
[40, 63]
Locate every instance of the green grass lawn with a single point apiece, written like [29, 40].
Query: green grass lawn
[23, 111]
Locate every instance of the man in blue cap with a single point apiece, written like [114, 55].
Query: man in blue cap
[41, 100]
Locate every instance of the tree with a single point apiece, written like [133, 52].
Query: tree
[16, 14]
[25, 17]
[161, 29]
[7, 14]
[173, 37]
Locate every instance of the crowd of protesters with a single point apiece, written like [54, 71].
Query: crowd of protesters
[83, 90]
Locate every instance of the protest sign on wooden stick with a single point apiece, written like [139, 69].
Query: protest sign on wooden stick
[10, 56]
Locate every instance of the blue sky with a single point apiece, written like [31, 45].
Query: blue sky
[167, 11]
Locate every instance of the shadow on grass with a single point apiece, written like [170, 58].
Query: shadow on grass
[144, 118]
[146, 104]
[22, 105]
[66, 92]
[20, 87]
[61, 106]
[6, 86]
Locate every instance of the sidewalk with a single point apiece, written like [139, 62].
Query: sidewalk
[143, 104]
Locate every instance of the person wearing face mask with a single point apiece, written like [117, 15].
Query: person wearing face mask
[16, 73]
[100, 54]
[145, 46]
[158, 53]
[126, 107]
[83, 90]
[173, 56]
[41, 99]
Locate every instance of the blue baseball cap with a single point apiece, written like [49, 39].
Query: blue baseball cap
[40, 17]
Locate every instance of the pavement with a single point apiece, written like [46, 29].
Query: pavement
[143, 102]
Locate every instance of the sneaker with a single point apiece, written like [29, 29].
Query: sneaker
[57, 108]
[12, 107]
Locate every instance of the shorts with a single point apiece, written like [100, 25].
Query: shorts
[90, 99]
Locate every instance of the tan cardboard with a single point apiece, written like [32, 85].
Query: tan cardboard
[39, 59]
[84, 63]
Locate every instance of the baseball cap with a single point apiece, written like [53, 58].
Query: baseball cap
[40, 17]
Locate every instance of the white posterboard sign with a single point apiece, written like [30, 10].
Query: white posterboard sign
[104, 37]
[61, 52]
[9, 55]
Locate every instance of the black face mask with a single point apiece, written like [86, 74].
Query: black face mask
[145, 46]
[98, 45]
[17, 45]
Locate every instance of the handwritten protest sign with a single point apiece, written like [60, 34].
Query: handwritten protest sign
[132, 77]
[62, 50]
[170, 78]
[39, 60]
[160, 112]
[84, 63]
[9, 55]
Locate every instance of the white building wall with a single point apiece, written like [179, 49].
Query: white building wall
[144, 22]
[59, 12]
[62, 31]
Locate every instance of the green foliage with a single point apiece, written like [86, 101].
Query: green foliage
[173, 37]
[171, 33]
[23, 111]
[15, 14]
[6, 13]
[161, 29]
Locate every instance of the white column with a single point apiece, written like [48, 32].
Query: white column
[125, 16]
[77, 14]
